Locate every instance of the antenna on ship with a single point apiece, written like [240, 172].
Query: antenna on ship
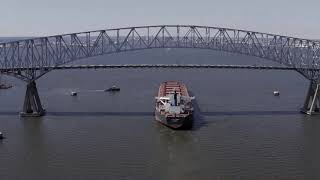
[175, 97]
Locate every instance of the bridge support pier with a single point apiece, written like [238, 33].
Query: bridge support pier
[312, 102]
[32, 105]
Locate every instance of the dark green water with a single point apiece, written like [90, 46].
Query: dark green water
[240, 130]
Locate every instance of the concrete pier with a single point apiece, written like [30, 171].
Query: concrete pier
[32, 105]
[312, 102]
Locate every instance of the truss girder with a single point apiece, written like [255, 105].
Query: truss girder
[36, 54]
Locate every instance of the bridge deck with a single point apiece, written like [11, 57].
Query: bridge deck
[222, 66]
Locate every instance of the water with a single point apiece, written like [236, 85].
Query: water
[241, 129]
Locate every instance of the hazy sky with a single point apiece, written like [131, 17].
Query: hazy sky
[300, 18]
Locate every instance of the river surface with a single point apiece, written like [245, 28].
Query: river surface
[240, 129]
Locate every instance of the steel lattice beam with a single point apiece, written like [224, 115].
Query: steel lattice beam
[35, 55]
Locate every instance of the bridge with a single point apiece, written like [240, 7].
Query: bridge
[167, 66]
[30, 59]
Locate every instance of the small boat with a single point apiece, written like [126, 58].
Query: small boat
[4, 86]
[276, 93]
[73, 93]
[173, 106]
[113, 88]
[1, 135]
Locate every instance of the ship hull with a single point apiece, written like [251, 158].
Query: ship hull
[175, 122]
[173, 106]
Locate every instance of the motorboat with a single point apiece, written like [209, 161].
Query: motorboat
[113, 89]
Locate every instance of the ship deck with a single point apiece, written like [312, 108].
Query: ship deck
[169, 87]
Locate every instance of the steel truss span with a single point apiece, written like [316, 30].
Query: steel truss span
[35, 55]
[30, 59]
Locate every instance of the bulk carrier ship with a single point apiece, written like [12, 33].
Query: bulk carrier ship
[173, 105]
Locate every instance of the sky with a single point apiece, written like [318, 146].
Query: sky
[298, 18]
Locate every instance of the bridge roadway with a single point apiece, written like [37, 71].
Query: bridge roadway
[182, 66]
